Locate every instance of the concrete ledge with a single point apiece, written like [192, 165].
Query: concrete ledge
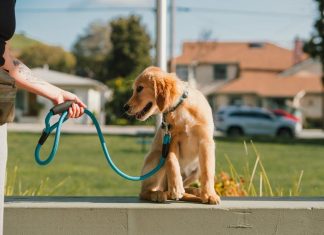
[128, 215]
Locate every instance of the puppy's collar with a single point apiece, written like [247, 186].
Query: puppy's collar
[166, 125]
[181, 99]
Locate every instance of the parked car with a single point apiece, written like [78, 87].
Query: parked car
[240, 120]
[285, 114]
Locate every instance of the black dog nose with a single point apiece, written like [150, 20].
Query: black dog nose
[126, 107]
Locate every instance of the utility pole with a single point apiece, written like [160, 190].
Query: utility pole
[161, 36]
[172, 36]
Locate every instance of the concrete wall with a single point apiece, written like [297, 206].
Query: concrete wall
[311, 106]
[43, 215]
[204, 74]
[223, 100]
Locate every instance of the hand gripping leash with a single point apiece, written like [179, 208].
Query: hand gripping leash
[63, 108]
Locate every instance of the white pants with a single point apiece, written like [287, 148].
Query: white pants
[3, 162]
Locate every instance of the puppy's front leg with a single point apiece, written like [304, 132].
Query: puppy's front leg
[175, 185]
[153, 188]
[207, 166]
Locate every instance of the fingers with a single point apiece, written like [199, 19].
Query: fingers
[75, 111]
[77, 108]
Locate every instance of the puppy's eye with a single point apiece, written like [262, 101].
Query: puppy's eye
[139, 89]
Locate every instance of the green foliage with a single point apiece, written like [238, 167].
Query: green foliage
[55, 57]
[91, 50]
[129, 55]
[114, 109]
[114, 53]
[131, 46]
[315, 46]
[21, 41]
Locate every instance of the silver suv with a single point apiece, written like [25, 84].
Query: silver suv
[241, 120]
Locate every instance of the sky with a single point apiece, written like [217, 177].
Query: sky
[278, 21]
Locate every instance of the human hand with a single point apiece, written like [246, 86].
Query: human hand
[77, 108]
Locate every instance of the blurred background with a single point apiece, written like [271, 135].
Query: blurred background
[259, 64]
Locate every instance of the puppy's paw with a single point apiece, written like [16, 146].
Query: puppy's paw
[158, 196]
[176, 192]
[211, 198]
[153, 196]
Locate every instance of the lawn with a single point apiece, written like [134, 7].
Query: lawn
[81, 169]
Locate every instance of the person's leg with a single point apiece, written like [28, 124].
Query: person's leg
[3, 161]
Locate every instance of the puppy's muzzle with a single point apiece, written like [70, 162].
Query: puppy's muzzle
[126, 107]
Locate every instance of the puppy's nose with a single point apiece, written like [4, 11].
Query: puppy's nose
[126, 107]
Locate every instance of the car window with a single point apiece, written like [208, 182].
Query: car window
[241, 114]
[250, 114]
[262, 115]
[237, 114]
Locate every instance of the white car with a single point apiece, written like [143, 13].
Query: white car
[240, 120]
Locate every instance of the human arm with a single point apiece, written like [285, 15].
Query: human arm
[25, 79]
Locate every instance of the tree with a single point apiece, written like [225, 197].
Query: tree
[91, 50]
[129, 55]
[130, 48]
[37, 55]
[315, 46]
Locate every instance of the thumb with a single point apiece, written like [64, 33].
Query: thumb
[79, 102]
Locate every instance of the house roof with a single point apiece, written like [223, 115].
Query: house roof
[311, 65]
[270, 85]
[64, 79]
[257, 56]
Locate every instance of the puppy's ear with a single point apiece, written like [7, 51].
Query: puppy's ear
[163, 87]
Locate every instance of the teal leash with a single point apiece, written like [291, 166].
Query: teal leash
[62, 108]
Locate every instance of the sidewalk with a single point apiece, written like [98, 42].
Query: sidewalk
[126, 130]
[82, 129]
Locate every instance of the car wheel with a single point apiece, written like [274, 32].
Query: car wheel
[235, 131]
[285, 133]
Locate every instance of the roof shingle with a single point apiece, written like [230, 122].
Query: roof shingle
[270, 85]
[267, 57]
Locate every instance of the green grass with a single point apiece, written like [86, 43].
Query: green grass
[82, 168]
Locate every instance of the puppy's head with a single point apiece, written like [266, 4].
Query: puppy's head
[153, 92]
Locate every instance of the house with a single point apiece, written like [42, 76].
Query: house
[33, 108]
[254, 74]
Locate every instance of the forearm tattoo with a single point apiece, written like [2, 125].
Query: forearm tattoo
[27, 73]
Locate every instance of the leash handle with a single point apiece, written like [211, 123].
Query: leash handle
[60, 108]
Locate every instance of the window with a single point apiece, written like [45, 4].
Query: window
[262, 116]
[20, 97]
[237, 114]
[220, 71]
[250, 114]
[235, 100]
[256, 45]
[182, 72]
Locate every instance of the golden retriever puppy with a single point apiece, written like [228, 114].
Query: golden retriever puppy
[192, 149]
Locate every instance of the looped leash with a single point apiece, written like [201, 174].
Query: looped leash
[62, 108]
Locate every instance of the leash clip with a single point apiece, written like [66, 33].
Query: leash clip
[166, 127]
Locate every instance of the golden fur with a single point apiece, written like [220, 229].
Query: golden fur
[192, 149]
